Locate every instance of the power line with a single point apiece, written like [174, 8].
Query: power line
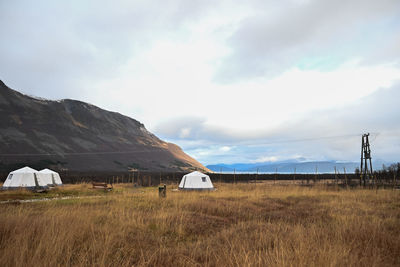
[283, 141]
[84, 153]
[160, 149]
[305, 139]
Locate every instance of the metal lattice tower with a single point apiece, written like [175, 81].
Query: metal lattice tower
[366, 173]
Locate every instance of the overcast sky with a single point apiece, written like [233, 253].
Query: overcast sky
[228, 81]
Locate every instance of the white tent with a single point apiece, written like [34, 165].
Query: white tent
[50, 177]
[24, 177]
[196, 181]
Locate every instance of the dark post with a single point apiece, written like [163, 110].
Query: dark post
[294, 175]
[162, 191]
[36, 181]
[256, 176]
[362, 159]
[336, 180]
[316, 173]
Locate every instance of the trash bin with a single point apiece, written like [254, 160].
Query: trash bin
[162, 191]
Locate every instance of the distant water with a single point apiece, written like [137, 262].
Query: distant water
[313, 173]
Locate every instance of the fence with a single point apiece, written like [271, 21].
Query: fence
[145, 178]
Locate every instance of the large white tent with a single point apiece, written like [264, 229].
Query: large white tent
[50, 177]
[196, 181]
[24, 177]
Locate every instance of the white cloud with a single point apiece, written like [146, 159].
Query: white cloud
[277, 37]
[184, 132]
[225, 148]
[265, 159]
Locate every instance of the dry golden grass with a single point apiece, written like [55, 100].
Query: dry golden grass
[238, 225]
[76, 190]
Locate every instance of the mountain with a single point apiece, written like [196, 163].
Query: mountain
[75, 135]
[288, 167]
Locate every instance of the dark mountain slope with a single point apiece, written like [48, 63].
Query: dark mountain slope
[79, 136]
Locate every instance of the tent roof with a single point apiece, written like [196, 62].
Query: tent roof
[24, 170]
[47, 171]
[196, 173]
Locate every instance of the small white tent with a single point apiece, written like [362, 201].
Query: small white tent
[50, 177]
[24, 177]
[196, 181]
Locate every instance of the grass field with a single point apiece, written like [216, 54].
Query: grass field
[237, 225]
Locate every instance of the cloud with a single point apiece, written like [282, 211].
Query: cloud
[195, 130]
[324, 134]
[265, 159]
[258, 113]
[311, 34]
[64, 49]
[225, 149]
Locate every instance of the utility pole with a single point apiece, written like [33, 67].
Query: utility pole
[294, 175]
[366, 172]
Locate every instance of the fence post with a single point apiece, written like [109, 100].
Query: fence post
[316, 174]
[336, 178]
[256, 176]
[294, 175]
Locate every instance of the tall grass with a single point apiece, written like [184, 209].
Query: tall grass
[238, 225]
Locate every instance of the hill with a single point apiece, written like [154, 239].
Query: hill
[75, 135]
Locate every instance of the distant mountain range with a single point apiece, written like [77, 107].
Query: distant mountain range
[291, 166]
[75, 135]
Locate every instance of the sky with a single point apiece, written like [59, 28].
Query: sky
[228, 81]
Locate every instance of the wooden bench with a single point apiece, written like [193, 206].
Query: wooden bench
[105, 186]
